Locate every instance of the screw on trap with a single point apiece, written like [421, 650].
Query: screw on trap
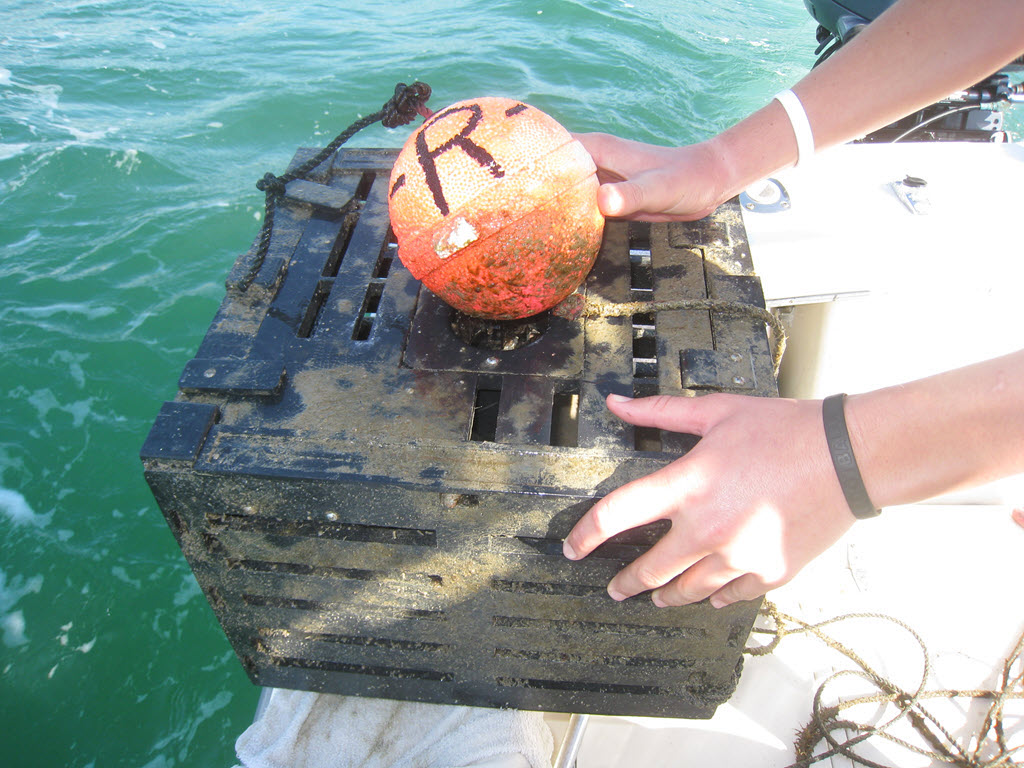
[373, 506]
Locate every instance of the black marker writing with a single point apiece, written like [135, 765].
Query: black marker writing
[462, 141]
[399, 183]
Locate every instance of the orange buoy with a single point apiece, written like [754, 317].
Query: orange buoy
[494, 207]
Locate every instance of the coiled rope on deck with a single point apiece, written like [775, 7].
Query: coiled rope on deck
[402, 108]
[943, 747]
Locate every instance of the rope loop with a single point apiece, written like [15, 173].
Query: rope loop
[401, 109]
[271, 184]
[408, 101]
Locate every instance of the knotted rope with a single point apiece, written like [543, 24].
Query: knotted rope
[402, 108]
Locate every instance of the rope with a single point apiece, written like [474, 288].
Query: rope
[943, 748]
[598, 308]
[401, 109]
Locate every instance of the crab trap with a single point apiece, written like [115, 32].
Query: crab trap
[374, 504]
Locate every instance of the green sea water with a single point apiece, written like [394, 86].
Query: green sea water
[131, 136]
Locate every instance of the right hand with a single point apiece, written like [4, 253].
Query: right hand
[652, 183]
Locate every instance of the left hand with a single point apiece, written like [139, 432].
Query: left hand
[752, 503]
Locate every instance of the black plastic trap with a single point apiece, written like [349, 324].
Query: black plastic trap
[372, 507]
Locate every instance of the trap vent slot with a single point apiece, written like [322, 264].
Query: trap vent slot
[330, 572]
[564, 627]
[641, 276]
[618, 689]
[367, 611]
[273, 526]
[565, 417]
[386, 257]
[284, 635]
[593, 659]
[645, 340]
[645, 354]
[322, 665]
[314, 308]
[368, 312]
[351, 216]
[375, 288]
[484, 427]
[555, 589]
[612, 550]
[645, 336]
[332, 265]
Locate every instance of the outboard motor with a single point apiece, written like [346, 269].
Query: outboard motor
[971, 115]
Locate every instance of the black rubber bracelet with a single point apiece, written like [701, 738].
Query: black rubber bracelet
[838, 437]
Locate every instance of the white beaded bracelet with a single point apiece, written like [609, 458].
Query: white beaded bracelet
[801, 125]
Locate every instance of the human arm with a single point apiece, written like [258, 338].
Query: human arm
[757, 498]
[916, 53]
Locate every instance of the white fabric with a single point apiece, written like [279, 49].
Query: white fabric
[801, 125]
[297, 729]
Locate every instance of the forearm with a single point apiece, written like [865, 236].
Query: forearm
[940, 434]
[916, 53]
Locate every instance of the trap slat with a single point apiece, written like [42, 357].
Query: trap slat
[354, 285]
[293, 311]
[678, 268]
[386, 519]
[608, 365]
[525, 411]
[374, 622]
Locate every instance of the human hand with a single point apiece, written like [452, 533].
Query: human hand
[752, 503]
[651, 183]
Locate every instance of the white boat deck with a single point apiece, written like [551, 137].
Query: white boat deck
[881, 295]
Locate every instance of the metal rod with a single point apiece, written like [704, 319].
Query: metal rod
[571, 741]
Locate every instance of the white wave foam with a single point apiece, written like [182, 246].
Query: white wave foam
[12, 623]
[83, 136]
[45, 401]
[47, 95]
[187, 727]
[16, 508]
[189, 589]
[65, 636]
[119, 573]
[28, 239]
[128, 162]
[89, 311]
[13, 626]
[74, 363]
[7, 151]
